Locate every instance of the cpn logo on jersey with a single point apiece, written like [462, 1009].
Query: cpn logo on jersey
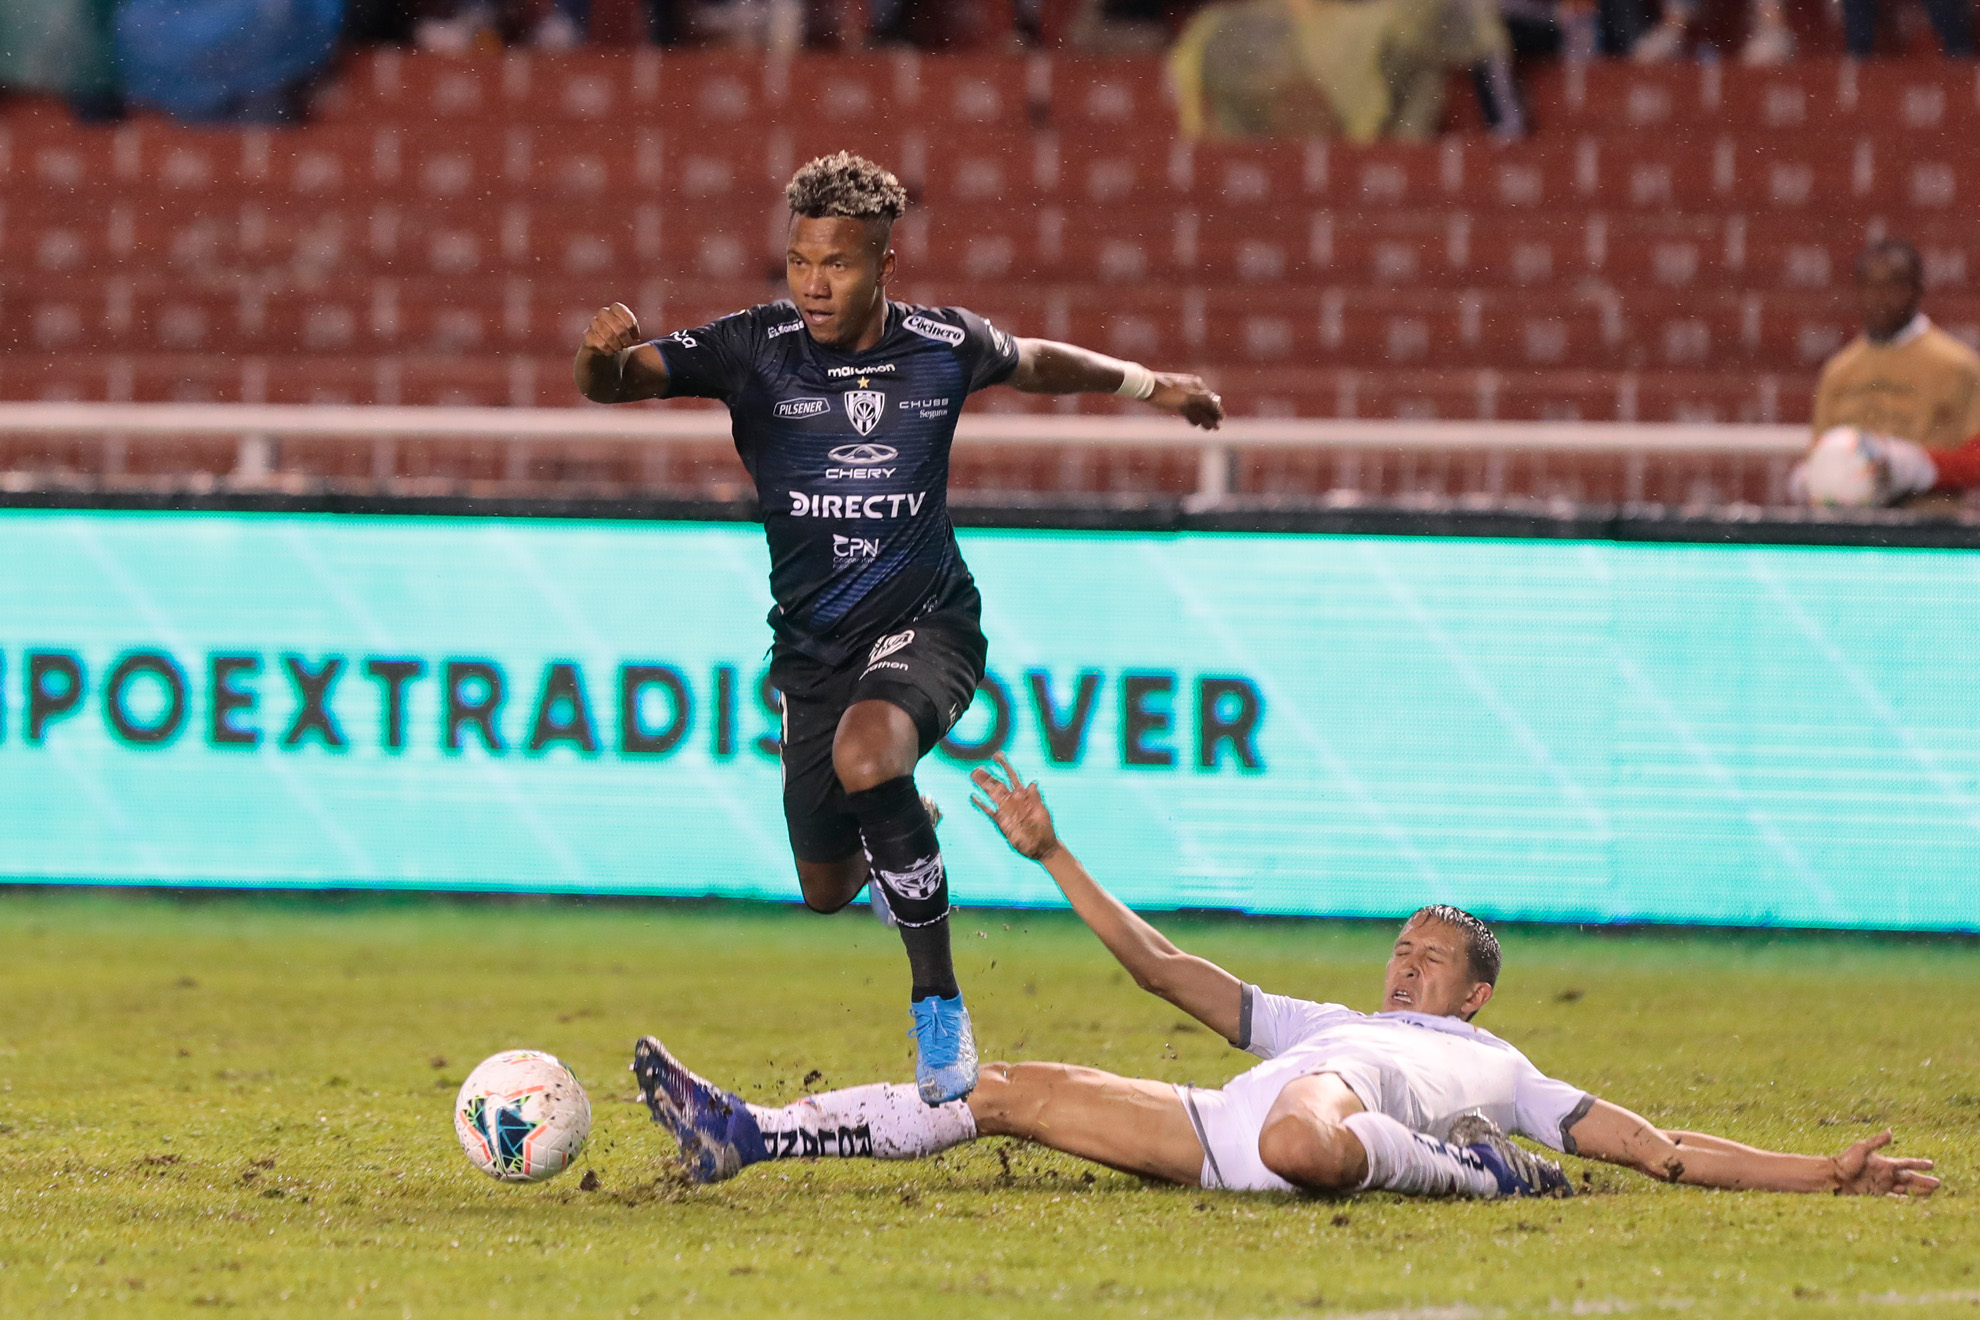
[864, 408]
[928, 329]
[795, 408]
[862, 455]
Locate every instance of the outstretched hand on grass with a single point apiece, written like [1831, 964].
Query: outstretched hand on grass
[1861, 1171]
[1017, 809]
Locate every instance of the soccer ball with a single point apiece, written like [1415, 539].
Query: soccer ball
[1842, 469]
[522, 1116]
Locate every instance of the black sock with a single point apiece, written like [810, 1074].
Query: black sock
[906, 862]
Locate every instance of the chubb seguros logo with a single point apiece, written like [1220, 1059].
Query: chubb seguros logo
[863, 455]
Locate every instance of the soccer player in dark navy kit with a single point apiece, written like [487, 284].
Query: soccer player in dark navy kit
[844, 407]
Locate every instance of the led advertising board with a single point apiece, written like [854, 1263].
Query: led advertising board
[1315, 724]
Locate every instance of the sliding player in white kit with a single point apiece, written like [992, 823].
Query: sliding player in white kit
[1410, 1099]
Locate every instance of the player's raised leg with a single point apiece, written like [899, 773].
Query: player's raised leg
[874, 755]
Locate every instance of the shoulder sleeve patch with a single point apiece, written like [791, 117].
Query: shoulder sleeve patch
[948, 334]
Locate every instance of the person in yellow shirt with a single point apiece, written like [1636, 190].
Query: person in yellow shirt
[1897, 410]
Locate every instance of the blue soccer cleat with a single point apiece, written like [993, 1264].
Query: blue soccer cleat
[718, 1135]
[1519, 1172]
[944, 1050]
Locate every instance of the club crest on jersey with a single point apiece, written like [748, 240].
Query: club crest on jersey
[864, 408]
[886, 646]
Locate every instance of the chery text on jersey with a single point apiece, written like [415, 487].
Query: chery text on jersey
[850, 454]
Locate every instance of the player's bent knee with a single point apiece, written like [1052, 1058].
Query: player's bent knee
[1323, 1156]
[829, 886]
[864, 763]
[1009, 1098]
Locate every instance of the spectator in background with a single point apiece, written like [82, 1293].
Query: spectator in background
[1952, 18]
[1769, 40]
[60, 46]
[1897, 410]
[224, 61]
[1358, 69]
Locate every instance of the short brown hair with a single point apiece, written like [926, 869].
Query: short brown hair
[846, 185]
[1481, 946]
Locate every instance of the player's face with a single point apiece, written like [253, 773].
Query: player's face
[838, 270]
[1429, 972]
[1887, 295]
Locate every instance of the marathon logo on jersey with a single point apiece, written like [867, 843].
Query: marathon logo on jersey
[841, 373]
[889, 644]
[927, 329]
[856, 506]
[864, 408]
[783, 329]
[796, 409]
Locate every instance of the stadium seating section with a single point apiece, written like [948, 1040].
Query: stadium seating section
[1670, 244]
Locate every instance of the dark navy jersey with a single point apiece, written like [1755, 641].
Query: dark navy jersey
[850, 453]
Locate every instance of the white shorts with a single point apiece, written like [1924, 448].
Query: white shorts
[1228, 1122]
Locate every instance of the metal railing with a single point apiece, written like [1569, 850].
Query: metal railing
[258, 430]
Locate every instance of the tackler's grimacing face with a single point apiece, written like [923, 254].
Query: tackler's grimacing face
[1430, 972]
[838, 271]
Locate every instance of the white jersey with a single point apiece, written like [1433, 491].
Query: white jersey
[1423, 1071]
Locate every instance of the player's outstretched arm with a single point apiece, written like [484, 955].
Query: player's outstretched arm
[1196, 985]
[1046, 366]
[1612, 1133]
[614, 365]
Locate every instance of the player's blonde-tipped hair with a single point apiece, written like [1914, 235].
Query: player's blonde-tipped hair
[846, 185]
[1481, 946]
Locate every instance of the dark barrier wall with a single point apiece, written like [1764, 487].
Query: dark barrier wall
[1574, 730]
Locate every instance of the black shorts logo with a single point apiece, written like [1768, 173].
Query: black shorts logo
[886, 646]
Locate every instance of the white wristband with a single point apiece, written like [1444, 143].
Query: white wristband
[1137, 381]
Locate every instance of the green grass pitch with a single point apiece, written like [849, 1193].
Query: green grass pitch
[243, 1104]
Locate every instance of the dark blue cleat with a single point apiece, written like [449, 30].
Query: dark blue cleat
[1519, 1171]
[718, 1135]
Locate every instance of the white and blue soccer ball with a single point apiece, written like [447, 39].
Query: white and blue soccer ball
[1842, 470]
[522, 1116]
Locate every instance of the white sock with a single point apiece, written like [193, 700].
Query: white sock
[1400, 1160]
[886, 1121]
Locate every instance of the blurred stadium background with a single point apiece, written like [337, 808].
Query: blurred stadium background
[1629, 246]
[1564, 276]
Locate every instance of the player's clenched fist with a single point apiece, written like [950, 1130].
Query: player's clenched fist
[614, 330]
[1180, 392]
